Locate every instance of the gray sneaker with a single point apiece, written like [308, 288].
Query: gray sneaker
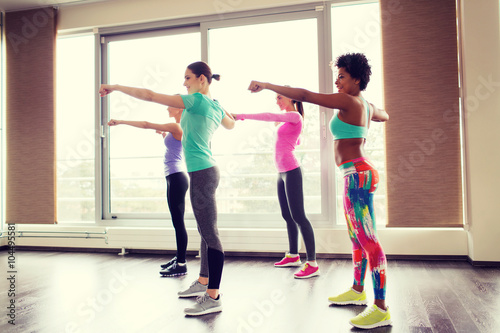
[204, 305]
[195, 289]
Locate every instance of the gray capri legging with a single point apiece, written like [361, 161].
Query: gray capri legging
[203, 185]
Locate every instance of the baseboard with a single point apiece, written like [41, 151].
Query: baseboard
[477, 263]
[252, 254]
[95, 250]
[66, 249]
[426, 257]
[228, 253]
[281, 254]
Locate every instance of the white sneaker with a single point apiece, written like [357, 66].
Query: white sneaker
[195, 289]
[204, 305]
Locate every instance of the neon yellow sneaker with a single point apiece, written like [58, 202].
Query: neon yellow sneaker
[372, 317]
[349, 297]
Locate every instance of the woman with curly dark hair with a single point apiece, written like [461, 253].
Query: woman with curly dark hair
[349, 128]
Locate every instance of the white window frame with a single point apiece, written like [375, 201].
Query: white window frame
[104, 129]
[327, 217]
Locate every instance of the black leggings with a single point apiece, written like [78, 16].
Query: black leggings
[203, 186]
[291, 198]
[177, 185]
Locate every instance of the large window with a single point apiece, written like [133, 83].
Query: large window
[247, 192]
[286, 48]
[76, 129]
[266, 52]
[135, 183]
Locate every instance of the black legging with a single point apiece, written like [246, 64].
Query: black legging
[177, 186]
[291, 198]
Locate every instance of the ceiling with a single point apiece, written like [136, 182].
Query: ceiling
[13, 5]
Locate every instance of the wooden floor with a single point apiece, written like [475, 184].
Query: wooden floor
[87, 292]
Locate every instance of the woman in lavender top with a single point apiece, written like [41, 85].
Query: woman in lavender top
[177, 183]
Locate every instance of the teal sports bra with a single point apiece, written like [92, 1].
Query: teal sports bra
[342, 130]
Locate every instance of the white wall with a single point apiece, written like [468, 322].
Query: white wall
[396, 241]
[481, 57]
[122, 12]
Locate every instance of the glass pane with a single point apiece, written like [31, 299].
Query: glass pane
[136, 176]
[245, 155]
[363, 35]
[75, 129]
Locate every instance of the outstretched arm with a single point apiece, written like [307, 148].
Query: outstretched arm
[379, 115]
[286, 117]
[228, 121]
[144, 94]
[173, 128]
[331, 101]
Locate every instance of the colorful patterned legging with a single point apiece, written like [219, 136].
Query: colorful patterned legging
[360, 181]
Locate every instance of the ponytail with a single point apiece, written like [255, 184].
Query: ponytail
[201, 68]
[299, 107]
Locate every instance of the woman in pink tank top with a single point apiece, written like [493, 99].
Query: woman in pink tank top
[290, 191]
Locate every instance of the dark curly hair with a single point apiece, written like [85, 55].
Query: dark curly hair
[357, 66]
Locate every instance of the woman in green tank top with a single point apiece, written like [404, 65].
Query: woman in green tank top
[199, 120]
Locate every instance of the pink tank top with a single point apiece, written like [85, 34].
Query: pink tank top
[287, 137]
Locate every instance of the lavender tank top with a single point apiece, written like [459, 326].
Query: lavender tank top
[173, 155]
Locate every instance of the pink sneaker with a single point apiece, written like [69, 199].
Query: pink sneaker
[288, 261]
[307, 272]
